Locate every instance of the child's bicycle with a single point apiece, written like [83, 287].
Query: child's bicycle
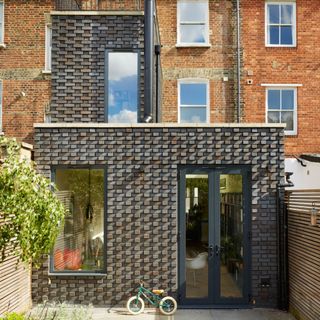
[166, 304]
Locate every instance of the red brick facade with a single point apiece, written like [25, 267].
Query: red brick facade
[211, 63]
[22, 62]
[21, 65]
[298, 65]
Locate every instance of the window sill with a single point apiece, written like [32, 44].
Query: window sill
[193, 45]
[2, 45]
[281, 46]
[290, 134]
[76, 274]
[46, 71]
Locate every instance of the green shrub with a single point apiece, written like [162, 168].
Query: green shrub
[32, 214]
[14, 316]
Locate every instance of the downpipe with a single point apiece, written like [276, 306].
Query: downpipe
[282, 239]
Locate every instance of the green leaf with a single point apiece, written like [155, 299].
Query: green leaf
[30, 213]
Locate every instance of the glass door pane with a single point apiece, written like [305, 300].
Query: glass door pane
[231, 236]
[197, 232]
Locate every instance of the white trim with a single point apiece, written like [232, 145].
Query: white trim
[206, 23]
[294, 24]
[295, 108]
[281, 85]
[2, 45]
[48, 48]
[196, 45]
[207, 106]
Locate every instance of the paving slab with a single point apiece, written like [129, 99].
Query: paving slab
[210, 314]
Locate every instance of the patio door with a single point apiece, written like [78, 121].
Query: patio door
[214, 236]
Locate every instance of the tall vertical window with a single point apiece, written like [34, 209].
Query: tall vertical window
[281, 24]
[48, 48]
[193, 101]
[1, 22]
[282, 108]
[0, 106]
[80, 244]
[122, 87]
[193, 22]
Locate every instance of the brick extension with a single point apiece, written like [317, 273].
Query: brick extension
[78, 62]
[142, 208]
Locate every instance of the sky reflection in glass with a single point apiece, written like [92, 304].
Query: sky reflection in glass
[193, 102]
[193, 94]
[280, 24]
[193, 12]
[122, 87]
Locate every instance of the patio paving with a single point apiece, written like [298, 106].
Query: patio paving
[151, 314]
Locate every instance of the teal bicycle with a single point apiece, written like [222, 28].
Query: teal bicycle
[166, 304]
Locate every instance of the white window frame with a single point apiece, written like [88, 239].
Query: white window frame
[206, 23]
[1, 106]
[195, 81]
[294, 23]
[295, 107]
[48, 48]
[2, 45]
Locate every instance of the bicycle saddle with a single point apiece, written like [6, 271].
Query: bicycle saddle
[158, 291]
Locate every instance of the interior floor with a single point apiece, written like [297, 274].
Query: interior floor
[197, 283]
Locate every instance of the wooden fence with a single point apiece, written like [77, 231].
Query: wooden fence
[15, 286]
[303, 254]
[15, 278]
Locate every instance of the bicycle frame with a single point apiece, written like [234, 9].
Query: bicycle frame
[151, 297]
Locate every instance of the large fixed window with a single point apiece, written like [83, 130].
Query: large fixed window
[1, 22]
[122, 90]
[193, 101]
[193, 22]
[81, 242]
[281, 24]
[282, 107]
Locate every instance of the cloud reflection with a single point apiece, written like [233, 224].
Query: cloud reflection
[124, 116]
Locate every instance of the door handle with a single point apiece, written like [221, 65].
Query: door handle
[217, 250]
[210, 250]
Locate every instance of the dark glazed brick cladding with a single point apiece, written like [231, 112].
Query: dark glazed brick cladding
[78, 62]
[142, 168]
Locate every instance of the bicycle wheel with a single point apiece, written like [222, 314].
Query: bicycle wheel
[168, 306]
[135, 305]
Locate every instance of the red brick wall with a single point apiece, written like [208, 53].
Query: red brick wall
[217, 60]
[20, 113]
[298, 65]
[21, 65]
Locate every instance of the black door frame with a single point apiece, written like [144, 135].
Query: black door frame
[214, 299]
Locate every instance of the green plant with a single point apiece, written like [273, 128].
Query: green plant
[14, 316]
[31, 213]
